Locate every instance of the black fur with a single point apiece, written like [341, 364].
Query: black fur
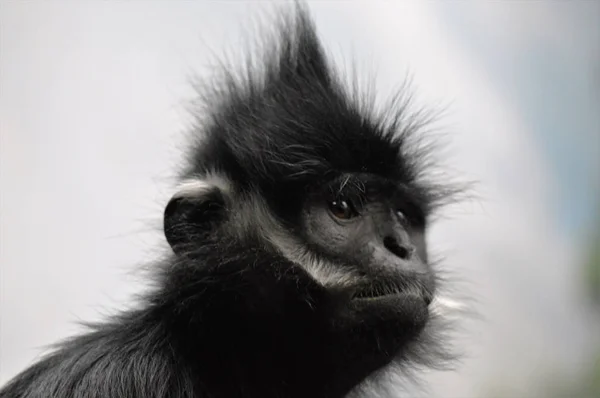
[232, 317]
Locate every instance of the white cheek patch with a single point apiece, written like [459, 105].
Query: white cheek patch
[324, 272]
[254, 213]
[250, 214]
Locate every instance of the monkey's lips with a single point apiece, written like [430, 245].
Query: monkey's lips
[402, 287]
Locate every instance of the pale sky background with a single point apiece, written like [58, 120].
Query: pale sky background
[92, 98]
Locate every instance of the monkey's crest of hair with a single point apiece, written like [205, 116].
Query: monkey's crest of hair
[290, 107]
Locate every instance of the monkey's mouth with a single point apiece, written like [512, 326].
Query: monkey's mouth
[380, 290]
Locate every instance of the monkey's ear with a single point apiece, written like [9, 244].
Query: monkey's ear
[193, 212]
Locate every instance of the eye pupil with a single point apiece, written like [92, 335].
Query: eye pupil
[342, 209]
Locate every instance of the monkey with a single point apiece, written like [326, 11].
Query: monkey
[297, 264]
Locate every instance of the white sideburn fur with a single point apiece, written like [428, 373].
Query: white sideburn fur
[249, 212]
[195, 187]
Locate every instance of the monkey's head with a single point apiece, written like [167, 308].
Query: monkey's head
[291, 163]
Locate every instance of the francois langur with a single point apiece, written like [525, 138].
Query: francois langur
[298, 264]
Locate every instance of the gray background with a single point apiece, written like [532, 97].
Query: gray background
[92, 98]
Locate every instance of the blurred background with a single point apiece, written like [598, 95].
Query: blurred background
[92, 111]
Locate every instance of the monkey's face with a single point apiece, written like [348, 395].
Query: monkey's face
[372, 229]
[359, 233]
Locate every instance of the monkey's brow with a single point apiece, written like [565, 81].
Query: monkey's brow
[365, 188]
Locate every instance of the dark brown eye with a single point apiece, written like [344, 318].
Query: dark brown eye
[401, 216]
[342, 209]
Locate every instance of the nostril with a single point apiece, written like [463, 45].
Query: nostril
[392, 245]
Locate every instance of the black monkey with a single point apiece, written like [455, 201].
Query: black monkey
[299, 266]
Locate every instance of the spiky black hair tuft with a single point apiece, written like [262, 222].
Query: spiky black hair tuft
[287, 120]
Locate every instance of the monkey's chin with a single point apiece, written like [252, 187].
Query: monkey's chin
[406, 308]
[395, 318]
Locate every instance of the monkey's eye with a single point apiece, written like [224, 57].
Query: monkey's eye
[342, 209]
[402, 217]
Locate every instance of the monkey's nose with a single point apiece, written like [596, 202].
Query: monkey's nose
[405, 252]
